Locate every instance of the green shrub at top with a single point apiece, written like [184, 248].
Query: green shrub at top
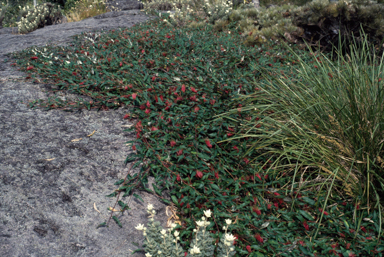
[323, 22]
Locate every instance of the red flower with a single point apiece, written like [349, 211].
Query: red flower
[29, 68]
[173, 143]
[258, 212]
[348, 246]
[147, 111]
[301, 243]
[154, 129]
[363, 229]
[188, 205]
[246, 162]
[162, 98]
[196, 109]
[121, 64]
[258, 238]
[148, 104]
[180, 152]
[321, 210]
[276, 193]
[199, 174]
[229, 134]
[134, 96]
[342, 235]
[134, 147]
[178, 178]
[183, 88]
[185, 254]
[193, 90]
[34, 58]
[142, 51]
[305, 225]
[237, 149]
[217, 175]
[269, 206]
[208, 143]
[193, 98]
[249, 248]
[258, 176]
[126, 116]
[74, 73]
[212, 102]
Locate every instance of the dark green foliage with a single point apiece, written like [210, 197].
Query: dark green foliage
[31, 19]
[322, 22]
[282, 2]
[59, 2]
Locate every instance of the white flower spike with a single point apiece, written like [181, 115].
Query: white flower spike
[140, 227]
[200, 223]
[195, 249]
[229, 237]
[208, 213]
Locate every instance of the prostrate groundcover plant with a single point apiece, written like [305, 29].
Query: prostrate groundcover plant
[194, 92]
[159, 243]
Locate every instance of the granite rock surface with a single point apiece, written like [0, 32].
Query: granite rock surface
[57, 167]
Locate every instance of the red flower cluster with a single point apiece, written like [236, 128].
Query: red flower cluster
[258, 238]
[208, 143]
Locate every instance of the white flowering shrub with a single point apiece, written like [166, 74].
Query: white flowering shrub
[161, 243]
